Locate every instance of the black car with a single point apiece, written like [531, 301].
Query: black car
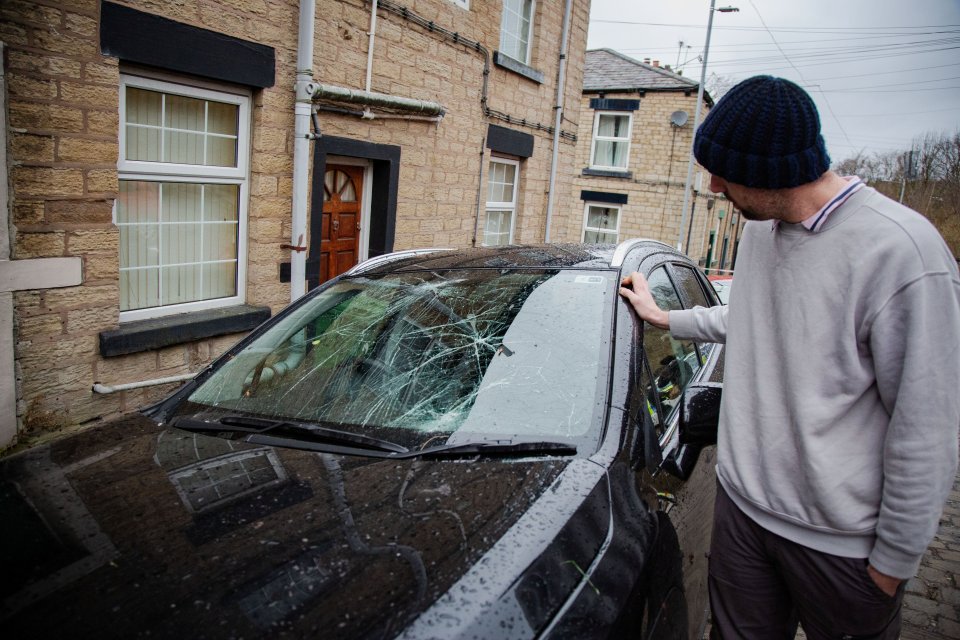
[437, 444]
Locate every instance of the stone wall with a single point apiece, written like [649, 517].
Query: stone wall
[658, 162]
[63, 149]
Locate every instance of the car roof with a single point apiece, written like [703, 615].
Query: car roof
[534, 256]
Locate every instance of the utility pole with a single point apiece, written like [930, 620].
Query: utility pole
[907, 172]
[696, 120]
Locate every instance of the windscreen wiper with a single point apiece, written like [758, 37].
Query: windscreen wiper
[289, 431]
[498, 449]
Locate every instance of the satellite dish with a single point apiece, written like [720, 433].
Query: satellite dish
[679, 118]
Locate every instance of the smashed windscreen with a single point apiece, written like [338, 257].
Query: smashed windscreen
[439, 356]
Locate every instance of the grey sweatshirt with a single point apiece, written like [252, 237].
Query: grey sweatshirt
[841, 401]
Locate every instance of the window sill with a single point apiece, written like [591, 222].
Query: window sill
[156, 333]
[607, 173]
[510, 64]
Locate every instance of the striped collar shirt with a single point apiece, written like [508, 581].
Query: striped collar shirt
[815, 222]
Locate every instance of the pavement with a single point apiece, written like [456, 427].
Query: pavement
[931, 605]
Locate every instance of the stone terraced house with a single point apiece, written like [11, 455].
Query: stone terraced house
[635, 132]
[175, 171]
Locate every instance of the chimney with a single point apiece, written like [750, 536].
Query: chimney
[646, 61]
[656, 63]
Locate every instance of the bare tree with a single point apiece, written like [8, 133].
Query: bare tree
[857, 165]
[951, 175]
[717, 85]
[926, 177]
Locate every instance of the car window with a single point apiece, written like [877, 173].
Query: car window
[690, 287]
[651, 405]
[466, 354]
[722, 287]
[692, 291]
[673, 362]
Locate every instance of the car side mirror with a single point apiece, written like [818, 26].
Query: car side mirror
[700, 413]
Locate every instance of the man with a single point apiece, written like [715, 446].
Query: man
[841, 407]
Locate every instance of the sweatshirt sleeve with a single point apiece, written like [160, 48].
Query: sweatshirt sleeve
[915, 345]
[703, 324]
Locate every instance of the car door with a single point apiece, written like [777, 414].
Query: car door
[684, 480]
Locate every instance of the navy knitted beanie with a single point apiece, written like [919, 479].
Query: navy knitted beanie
[764, 133]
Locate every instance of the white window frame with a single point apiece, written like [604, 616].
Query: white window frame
[598, 138]
[586, 217]
[527, 53]
[500, 206]
[188, 173]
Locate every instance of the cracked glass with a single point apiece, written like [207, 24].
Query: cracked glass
[431, 357]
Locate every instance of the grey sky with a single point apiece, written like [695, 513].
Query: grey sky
[881, 72]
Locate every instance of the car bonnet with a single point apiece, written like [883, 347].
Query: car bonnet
[129, 528]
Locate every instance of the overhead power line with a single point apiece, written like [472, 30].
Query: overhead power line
[896, 84]
[845, 53]
[763, 64]
[886, 73]
[940, 28]
[887, 90]
[799, 73]
[738, 46]
[902, 113]
[851, 45]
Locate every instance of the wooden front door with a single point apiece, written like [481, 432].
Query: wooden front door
[340, 228]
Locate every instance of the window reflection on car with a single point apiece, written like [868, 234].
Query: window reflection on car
[674, 361]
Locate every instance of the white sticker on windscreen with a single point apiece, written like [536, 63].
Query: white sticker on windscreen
[588, 280]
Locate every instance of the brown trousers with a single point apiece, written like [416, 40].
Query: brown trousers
[763, 585]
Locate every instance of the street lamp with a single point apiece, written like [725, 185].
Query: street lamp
[696, 118]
